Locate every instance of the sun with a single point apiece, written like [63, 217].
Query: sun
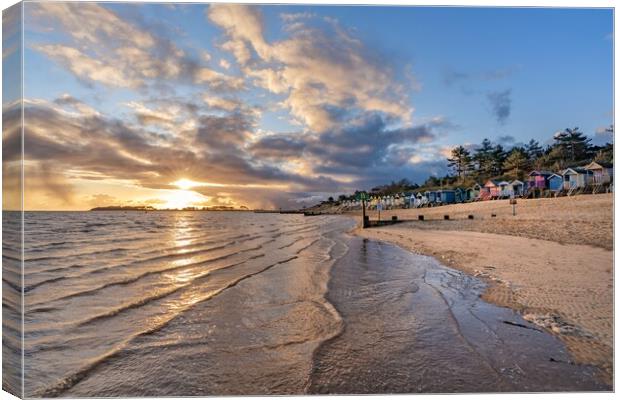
[183, 198]
[185, 184]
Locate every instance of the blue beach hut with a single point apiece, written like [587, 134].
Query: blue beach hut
[461, 195]
[447, 196]
[555, 182]
[430, 196]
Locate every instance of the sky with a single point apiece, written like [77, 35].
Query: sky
[282, 106]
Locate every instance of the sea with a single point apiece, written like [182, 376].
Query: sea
[129, 303]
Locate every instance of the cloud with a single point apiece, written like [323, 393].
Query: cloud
[292, 17]
[325, 73]
[224, 63]
[278, 147]
[452, 77]
[603, 135]
[95, 147]
[354, 150]
[220, 103]
[351, 105]
[501, 103]
[105, 48]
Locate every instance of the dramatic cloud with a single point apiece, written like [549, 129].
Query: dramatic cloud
[501, 103]
[325, 74]
[110, 50]
[182, 113]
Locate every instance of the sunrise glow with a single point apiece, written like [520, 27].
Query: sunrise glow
[183, 198]
[185, 184]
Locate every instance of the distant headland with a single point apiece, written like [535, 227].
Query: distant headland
[151, 208]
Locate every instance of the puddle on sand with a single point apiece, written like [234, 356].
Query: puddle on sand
[413, 325]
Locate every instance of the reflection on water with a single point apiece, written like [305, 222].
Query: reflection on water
[97, 284]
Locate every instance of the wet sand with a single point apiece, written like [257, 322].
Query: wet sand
[412, 325]
[563, 283]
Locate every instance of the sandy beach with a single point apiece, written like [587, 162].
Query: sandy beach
[552, 262]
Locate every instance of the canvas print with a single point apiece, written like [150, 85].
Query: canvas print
[256, 199]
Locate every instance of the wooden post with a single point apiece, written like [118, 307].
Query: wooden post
[364, 223]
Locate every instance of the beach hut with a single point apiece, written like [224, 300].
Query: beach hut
[518, 187]
[438, 196]
[602, 172]
[485, 193]
[505, 189]
[420, 200]
[430, 196]
[447, 196]
[538, 179]
[473, 192]
[461, 195]
[575, 178]
[492, 188]
[555, 182]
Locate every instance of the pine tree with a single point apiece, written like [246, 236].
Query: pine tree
[460, 161]
[574, 144]
[498, 156]
[483, 159]
[517, 163]
[533, 150]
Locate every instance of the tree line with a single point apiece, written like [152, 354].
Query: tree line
[570, 148]
[479, 163]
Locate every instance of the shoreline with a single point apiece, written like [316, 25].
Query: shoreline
[414, 325]
[552, 262]
[587, 337]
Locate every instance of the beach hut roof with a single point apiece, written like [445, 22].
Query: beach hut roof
[598, 165]
[555, 175]
[504, 183]
[543, 173]
[516, 181]
[575, 171]
[492, 182]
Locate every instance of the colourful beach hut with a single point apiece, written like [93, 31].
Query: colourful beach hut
[492, 188]
[602, 172]
[575, 178]
[538, 179]
[461, 195]
[505, 189]
[438, 196]
[555, 182]
[518, 187]
[431, 196]
[473, 192]
[447, 196]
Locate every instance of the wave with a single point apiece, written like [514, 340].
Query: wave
[135, 278]
[165, 257]
[66, 383]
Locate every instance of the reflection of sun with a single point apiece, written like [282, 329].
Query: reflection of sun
[183, 198]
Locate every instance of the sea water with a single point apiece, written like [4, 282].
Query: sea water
[205, 303]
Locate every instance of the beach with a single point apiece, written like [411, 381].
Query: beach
[225, 303]
[552, 262]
